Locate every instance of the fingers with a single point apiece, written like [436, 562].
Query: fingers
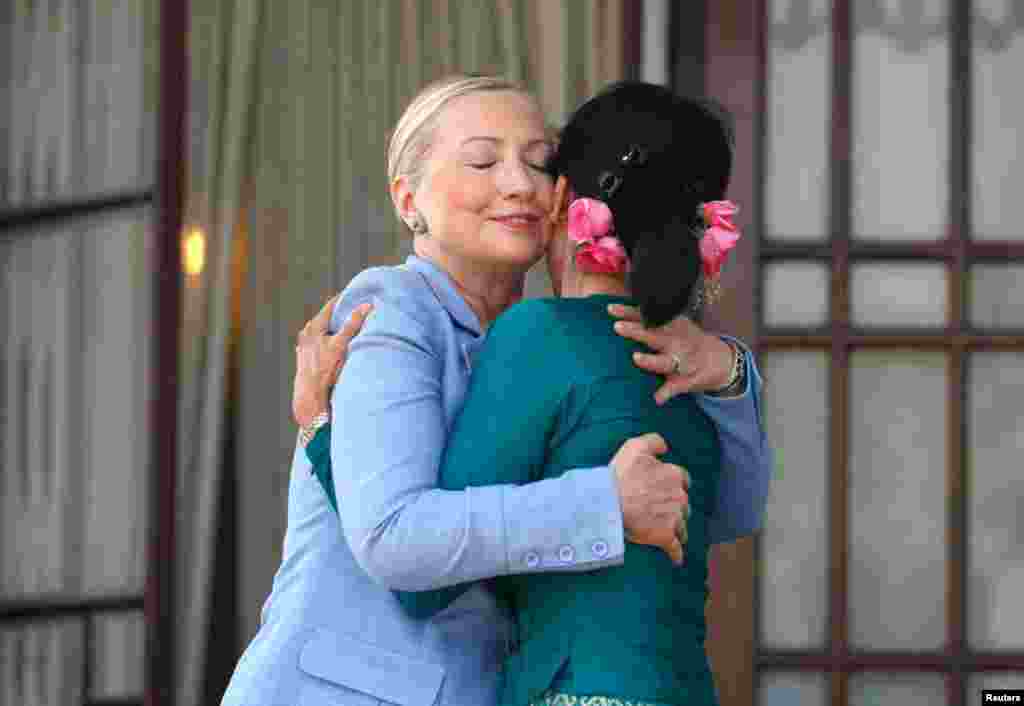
[675, 551]
[651, 443]
[627, 313]
[637, 332]
[655, 363]
[673, 386]
[352, 326]
[318, 324]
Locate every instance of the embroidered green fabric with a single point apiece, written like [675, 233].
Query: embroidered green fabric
[555, 698]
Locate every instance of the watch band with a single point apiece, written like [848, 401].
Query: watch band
[307, 432]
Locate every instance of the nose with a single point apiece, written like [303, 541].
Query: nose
[516, 179]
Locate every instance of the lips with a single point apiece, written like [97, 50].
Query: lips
[518, 221]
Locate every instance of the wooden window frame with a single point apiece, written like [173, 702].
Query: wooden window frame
[736, 72]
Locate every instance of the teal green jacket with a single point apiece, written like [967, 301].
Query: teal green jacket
[555, 388]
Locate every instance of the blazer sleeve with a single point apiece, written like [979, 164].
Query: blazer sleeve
[504, 429]
[388, 434]
[746, 458]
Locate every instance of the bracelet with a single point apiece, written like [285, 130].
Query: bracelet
[307, 433]
[735, 380]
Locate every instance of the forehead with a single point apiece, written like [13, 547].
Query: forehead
[506, 115]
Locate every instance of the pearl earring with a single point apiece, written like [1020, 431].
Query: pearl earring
[417, 225]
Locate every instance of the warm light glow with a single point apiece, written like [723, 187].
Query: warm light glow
[194, 252]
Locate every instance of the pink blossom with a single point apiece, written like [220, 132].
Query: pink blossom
[589, 219]
[719, 214]
[605, 255]
[715, 247]
[720, 236]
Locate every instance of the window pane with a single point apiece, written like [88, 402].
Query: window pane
[996, 293]
[76, 308]
[897, 487]
[114, 356]
[998, 55]
[81, 119]
[118, 657]
[794, 544]
[897, 294]
[900, 120]
[796, 294]
[875, 689]
[796, 134]
[992, 680]
[995, 489]
[793, 689]
[41, 663]
[39, 468]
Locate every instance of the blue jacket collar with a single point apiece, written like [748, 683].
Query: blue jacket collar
[441, 282]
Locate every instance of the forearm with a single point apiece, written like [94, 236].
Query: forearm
[598, 546]
[434, 538]
[746, 460]
[390, 428]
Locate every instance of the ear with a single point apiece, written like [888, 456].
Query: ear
[404, 198]
[560, 204]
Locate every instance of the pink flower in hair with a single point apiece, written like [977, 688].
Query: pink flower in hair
[590, 227]
[720, 236]
[605, 255]
[589, 219]
[719, 214]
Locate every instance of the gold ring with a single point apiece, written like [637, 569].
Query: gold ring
[678, 367]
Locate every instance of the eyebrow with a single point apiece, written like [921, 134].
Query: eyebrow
[498, 140]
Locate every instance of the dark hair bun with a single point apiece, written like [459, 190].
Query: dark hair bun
[653, 157]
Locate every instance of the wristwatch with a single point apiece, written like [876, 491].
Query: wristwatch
[307, 432]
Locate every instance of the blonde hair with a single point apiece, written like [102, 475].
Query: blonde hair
[414, 133]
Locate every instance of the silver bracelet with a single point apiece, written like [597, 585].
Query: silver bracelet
[735, 382]
[307, 432]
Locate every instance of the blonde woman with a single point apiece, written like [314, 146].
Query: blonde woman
[467, 174]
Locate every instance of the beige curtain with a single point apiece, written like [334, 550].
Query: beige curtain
[224, 46]
[330, 81]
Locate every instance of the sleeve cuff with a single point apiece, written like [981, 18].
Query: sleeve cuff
[585, 530]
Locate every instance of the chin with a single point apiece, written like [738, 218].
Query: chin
[515, 251]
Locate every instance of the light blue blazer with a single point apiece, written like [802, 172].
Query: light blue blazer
[332, 633]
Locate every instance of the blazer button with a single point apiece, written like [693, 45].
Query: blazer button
[532, 559]
[566, 554]
[600, 549]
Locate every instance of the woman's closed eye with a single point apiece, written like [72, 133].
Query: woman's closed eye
[484, 166]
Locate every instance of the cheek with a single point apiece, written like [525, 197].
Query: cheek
[467, 193]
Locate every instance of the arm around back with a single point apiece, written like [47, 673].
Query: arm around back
[746, 459]
[388, 433]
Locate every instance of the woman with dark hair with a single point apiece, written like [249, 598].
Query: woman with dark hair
[641, 174]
